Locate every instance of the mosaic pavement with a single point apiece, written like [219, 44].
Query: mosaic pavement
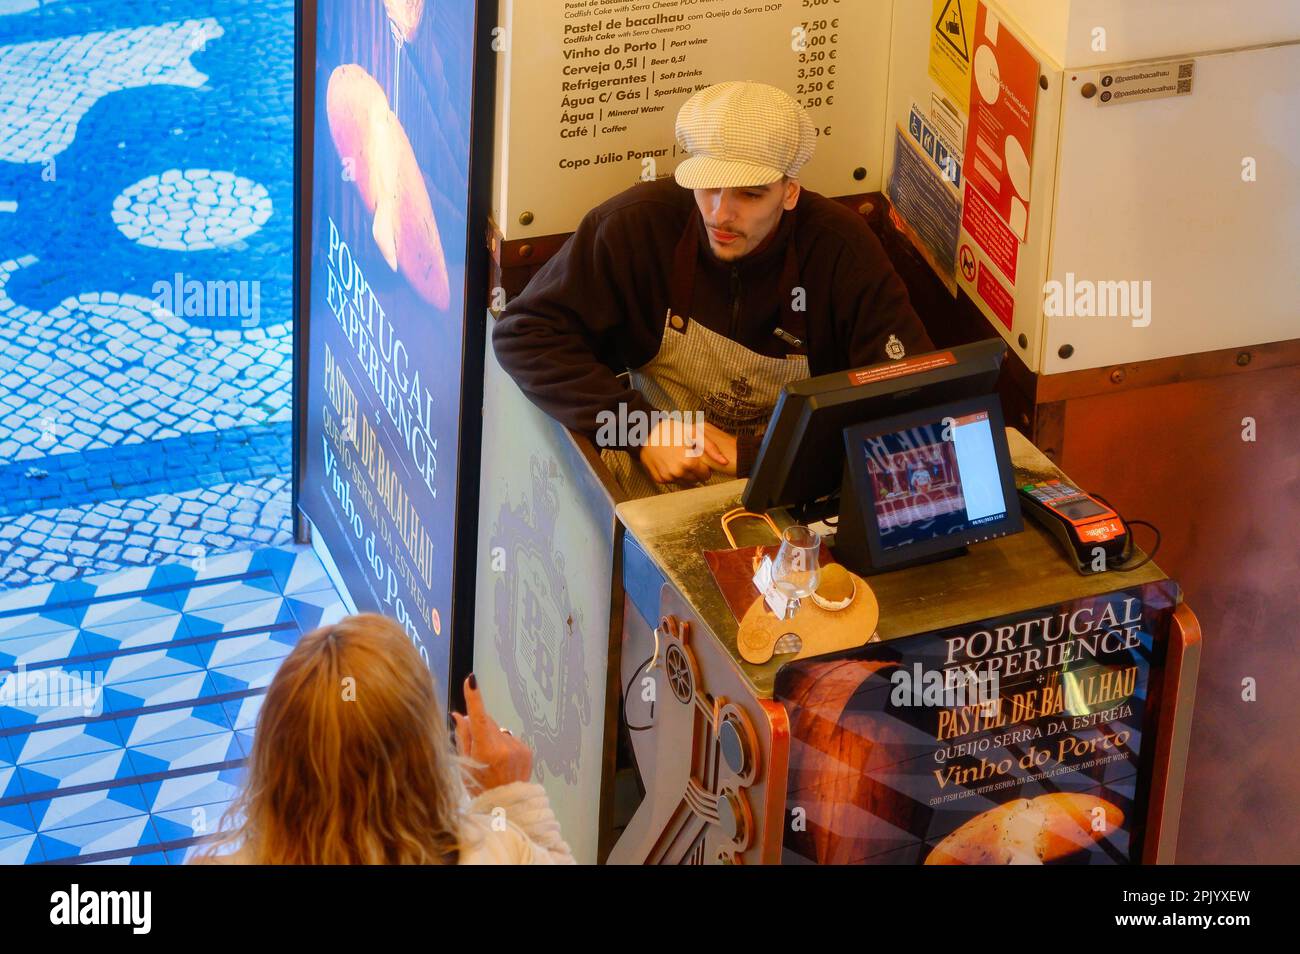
[147, 588]
[145, 282]
[127, 700]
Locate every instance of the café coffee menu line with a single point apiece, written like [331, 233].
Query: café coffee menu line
[623, 65]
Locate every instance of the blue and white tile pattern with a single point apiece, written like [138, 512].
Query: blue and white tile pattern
[183, 656]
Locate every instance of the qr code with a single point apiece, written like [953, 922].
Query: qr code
[1184, 86]
[1184, 71]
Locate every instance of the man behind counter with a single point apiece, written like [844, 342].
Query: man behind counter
[716, 290]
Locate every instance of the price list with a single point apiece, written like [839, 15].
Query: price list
[594, 87]
[816, 48]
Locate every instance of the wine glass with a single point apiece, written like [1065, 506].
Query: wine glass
[797, 570]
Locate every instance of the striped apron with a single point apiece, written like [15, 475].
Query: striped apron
[697, 369]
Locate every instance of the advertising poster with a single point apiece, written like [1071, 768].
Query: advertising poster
[387, 314]
[1025, 739]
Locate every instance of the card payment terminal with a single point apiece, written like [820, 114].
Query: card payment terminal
[1081, 523]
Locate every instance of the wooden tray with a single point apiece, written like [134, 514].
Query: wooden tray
[820, 631]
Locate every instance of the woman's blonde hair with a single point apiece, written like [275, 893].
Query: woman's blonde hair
[351, 762]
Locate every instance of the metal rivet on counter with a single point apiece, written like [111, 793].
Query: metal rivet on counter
[1022, 340]
[1243, 359]
[1117, 376]
[859, 173]
[1065, 350]
[1089, 90]
[525, 218]
[525, 251]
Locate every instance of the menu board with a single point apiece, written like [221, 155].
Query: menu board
[590, 91]
[1026, 739]
[390, 191]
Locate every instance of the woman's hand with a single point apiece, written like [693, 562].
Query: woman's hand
[504, 758]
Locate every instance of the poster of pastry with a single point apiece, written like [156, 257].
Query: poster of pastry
[390, 188]
[1024, 739]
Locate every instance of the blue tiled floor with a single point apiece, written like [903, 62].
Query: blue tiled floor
[184, 655]
[139, 437]
[138, 151]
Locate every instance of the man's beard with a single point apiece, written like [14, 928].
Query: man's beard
[737, 247]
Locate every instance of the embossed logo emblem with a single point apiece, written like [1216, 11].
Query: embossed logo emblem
[538, 635]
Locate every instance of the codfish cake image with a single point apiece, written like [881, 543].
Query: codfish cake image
[1028, 831]
[388, 177]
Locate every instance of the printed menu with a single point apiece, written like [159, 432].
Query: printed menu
[592, 89]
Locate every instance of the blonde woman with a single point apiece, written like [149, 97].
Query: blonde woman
[352, 764]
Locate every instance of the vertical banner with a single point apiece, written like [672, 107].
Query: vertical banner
[1026, 739]
[390, 197]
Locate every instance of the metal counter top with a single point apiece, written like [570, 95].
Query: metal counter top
[1002, 576]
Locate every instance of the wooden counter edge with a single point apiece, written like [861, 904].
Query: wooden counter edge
[1130, 376]
[1169, 772]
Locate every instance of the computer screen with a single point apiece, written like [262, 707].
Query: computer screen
[924, 483]
[802, 455]
[934, 480]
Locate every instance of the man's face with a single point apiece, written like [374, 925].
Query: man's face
[737, 220]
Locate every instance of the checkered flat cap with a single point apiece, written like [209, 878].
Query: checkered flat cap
[742, 134]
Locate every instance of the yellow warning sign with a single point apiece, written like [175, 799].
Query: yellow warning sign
[951, 48]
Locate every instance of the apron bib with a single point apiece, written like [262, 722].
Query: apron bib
[697, 369]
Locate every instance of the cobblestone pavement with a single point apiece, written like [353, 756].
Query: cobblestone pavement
[65, 543]
[145, 281]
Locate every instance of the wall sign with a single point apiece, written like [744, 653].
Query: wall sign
[925, 206]
[1149, 81]
[591, 92]
[387, 304]
[951, 50]
[1003, 102]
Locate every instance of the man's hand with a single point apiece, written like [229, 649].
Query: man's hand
[726, 446]
[504, 758]
[679, 453]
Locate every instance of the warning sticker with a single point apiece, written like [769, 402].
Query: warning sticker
[946, 156]
[897, 369]
[945, 116]
[990, 233]
[996, 296]
[966, 259]
[950, 48]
